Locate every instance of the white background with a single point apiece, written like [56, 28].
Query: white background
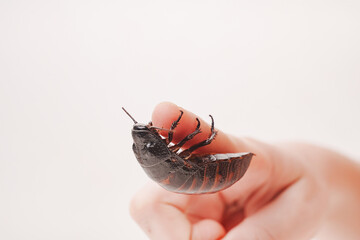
[273, 70]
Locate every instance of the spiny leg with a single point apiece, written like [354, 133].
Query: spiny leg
[177, 146]
[187, 153]
[173, 126]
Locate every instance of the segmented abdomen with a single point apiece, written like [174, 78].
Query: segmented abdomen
[206, 173]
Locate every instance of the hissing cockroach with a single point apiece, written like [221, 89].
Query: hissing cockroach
[179, 170]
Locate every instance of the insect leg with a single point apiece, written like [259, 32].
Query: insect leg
[213, 133]
[177, 146]
[173, 126]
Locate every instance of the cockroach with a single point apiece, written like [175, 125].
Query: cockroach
[181, 171]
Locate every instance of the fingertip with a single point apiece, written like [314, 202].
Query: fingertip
[207, 229]
[164, 110]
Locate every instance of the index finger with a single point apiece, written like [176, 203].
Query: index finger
[166, 113]
[268, 160]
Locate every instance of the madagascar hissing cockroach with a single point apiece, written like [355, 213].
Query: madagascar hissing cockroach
[181, 171]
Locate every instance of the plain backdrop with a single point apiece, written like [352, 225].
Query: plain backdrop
[273, 70]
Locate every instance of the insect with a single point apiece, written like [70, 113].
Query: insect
[181, 171]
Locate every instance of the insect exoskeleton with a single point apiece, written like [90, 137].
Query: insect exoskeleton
[180, 170]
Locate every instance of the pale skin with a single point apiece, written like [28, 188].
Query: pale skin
[290, 191]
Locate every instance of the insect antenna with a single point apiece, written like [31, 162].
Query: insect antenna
[129, 115]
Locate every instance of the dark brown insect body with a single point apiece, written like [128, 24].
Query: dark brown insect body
[181, 171]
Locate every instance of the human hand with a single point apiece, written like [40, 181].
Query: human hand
[283, 195]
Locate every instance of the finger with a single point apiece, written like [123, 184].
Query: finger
[269, 171]
[294, 214]
[158, 219]
[207, 230]
[166, 113]
[165, 215]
